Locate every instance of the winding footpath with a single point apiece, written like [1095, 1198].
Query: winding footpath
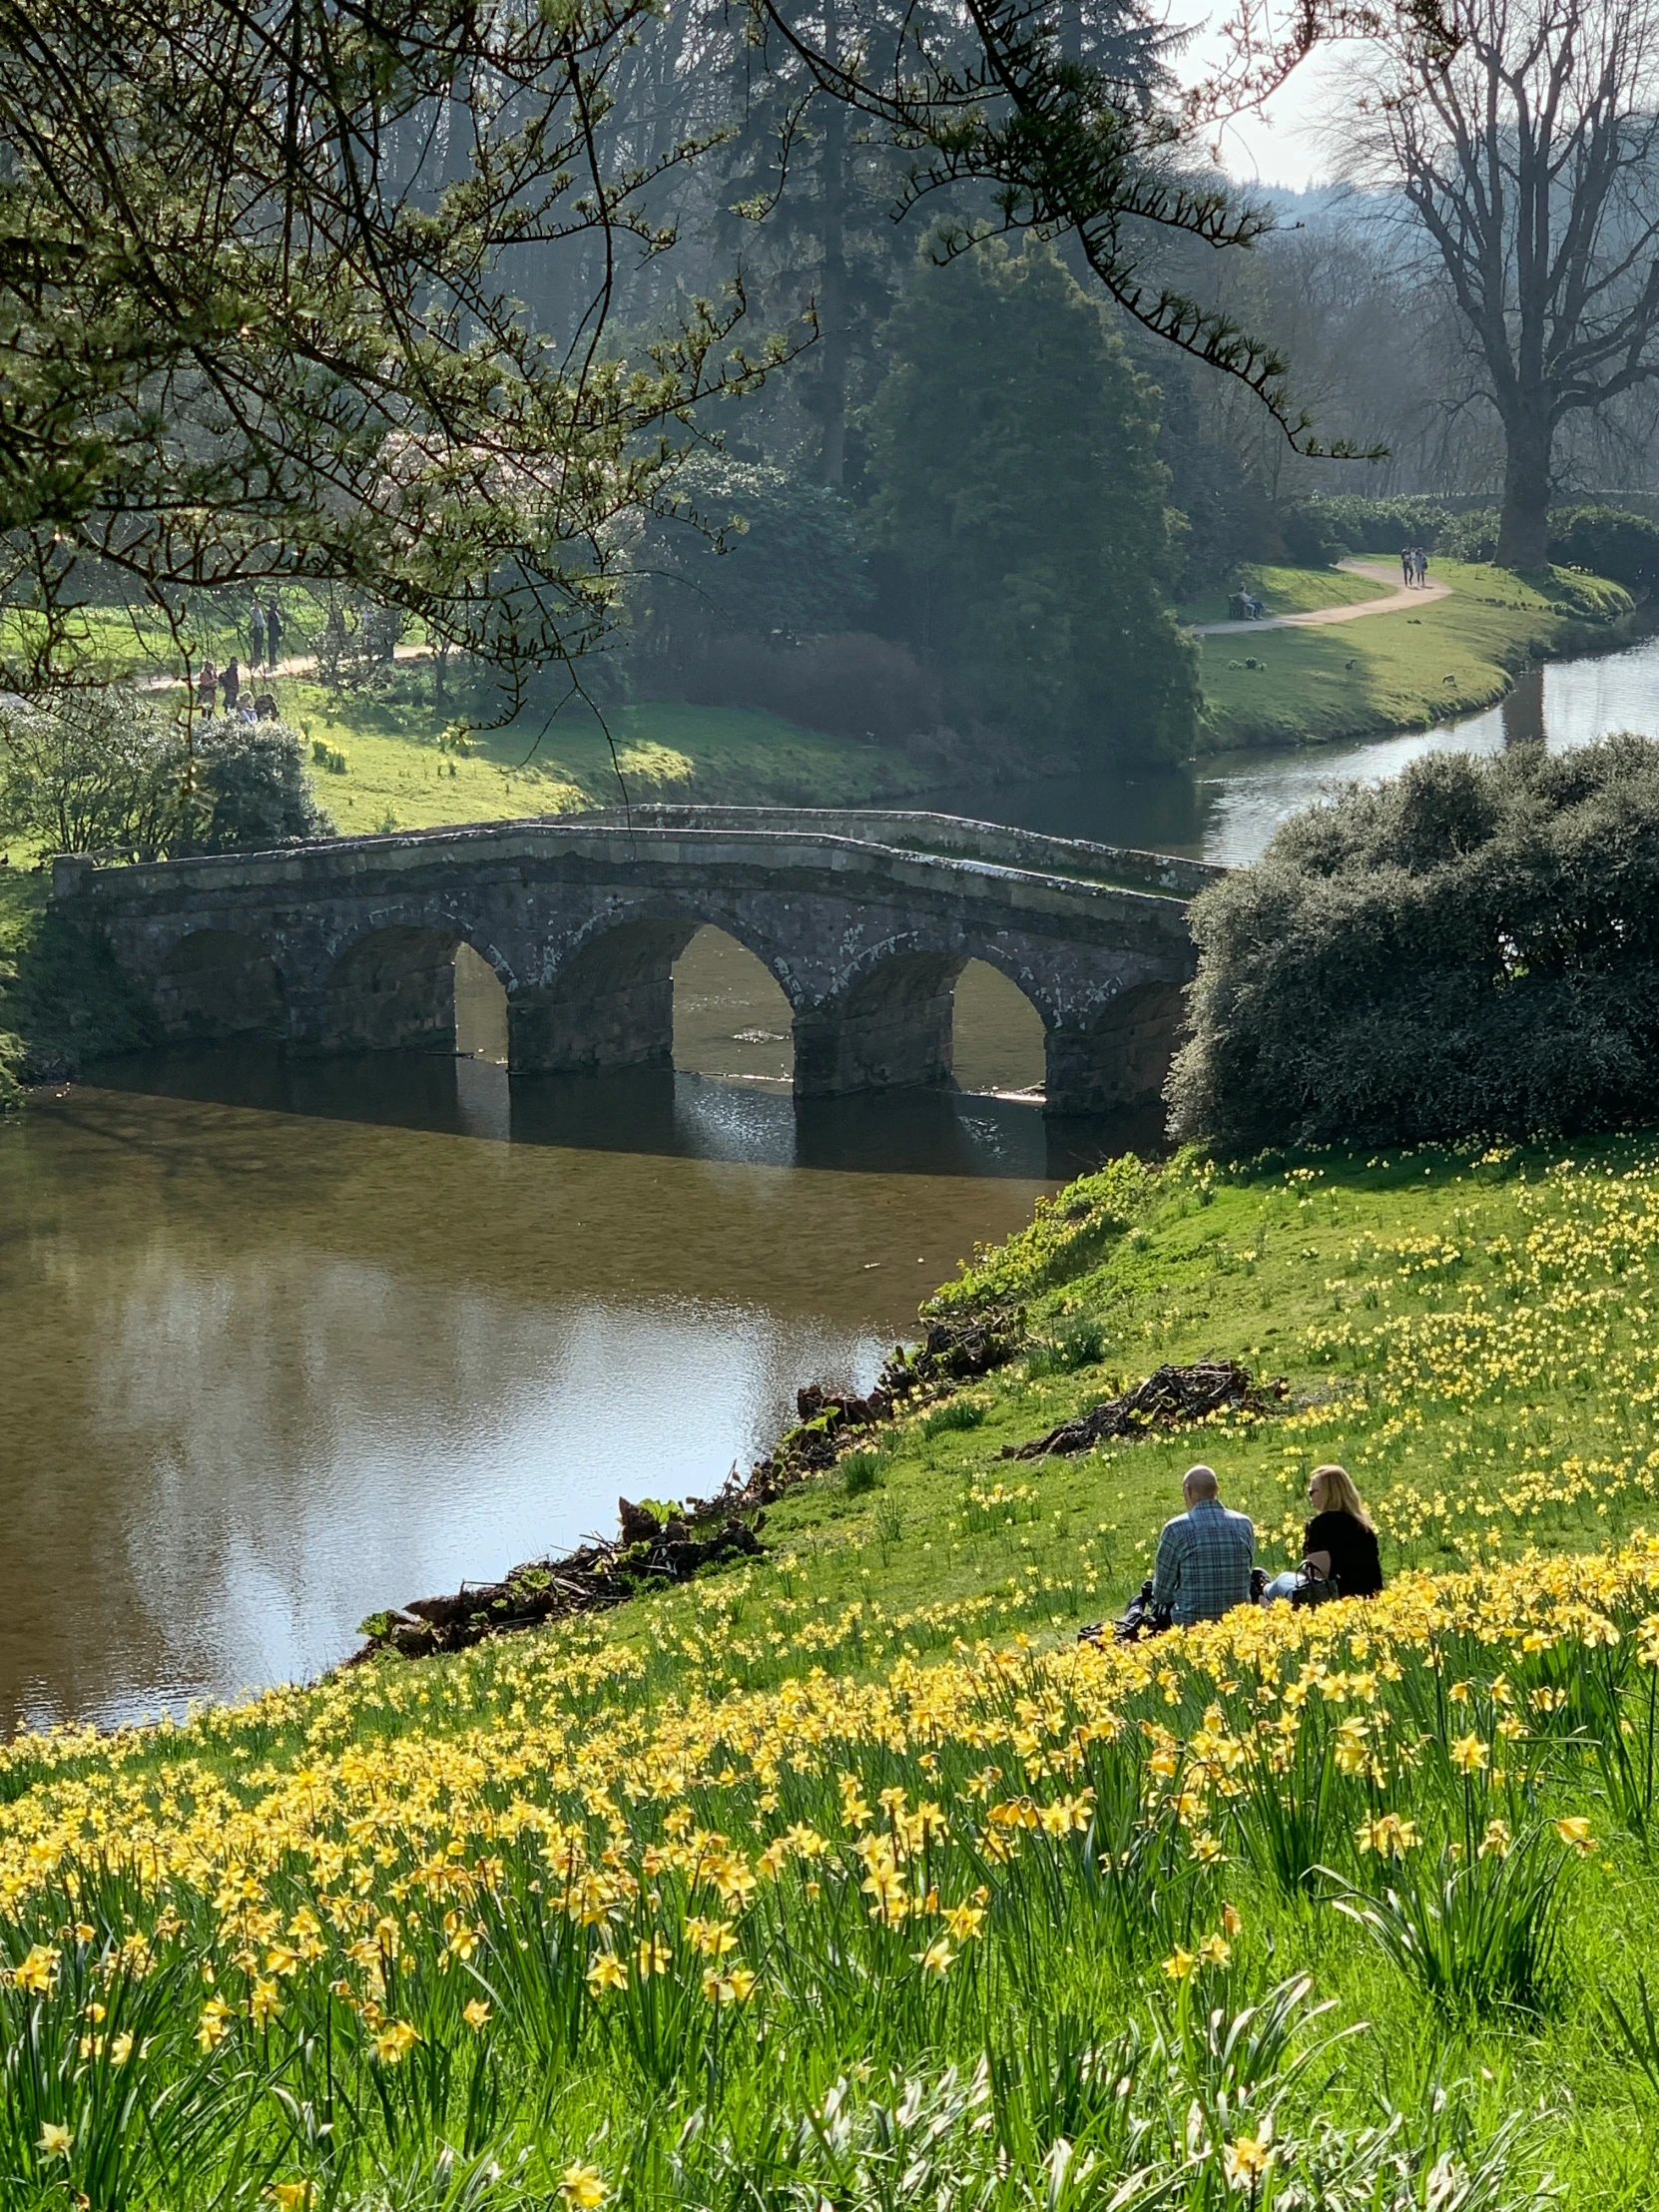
[1399, 599]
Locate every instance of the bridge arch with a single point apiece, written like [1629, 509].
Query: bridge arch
[607, 999]
[998, 1031]
[1120, 1055]
[892, 1023]
[216, 983]
[733, 1020]
[392, 987]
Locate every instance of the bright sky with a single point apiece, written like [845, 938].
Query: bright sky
[1279, 146]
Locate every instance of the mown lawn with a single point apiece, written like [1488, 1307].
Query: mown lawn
[1398, 670]
[846, 1878]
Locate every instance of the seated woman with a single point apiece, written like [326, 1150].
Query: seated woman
[1339, 1542]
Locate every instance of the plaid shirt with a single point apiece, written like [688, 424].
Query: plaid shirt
[1203, 1560]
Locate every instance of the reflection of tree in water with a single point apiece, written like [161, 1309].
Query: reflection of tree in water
[1523, 710]
[274, 1361]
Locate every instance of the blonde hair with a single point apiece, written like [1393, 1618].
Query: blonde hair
[1339, 1494]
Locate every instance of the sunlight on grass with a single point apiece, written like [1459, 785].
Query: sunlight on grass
[1398, 671]
[1286, 591]
[857, 1830]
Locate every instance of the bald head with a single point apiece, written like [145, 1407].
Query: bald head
[1198, 1483]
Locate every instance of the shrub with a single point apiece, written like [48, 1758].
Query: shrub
[1608, 542]
[1605, 540]
[99, 772]
[253, 783]
[103, 772]
[1471, 948]
[1376, 525]
[1468, 537]
[1310, 536]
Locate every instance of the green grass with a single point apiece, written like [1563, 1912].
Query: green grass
[1286, 591]
[1131, 1861]
[396, 776]
[1401, 671]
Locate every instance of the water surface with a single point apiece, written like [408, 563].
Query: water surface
[1225, 806]
[286, 1342]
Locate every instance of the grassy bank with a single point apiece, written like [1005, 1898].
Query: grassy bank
[1403, 671]
[845, 1876]
[398, 776]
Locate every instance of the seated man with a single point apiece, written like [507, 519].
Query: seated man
[1204, 1555]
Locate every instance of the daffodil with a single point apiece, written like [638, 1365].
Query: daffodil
[607, 1973]
[392, 2043]
[1246, 2158]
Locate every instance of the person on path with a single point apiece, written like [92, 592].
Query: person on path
[231, 685]
[207, 683]
[273, 632]
[256, 637]
[1419, 561]
[1406, 565]
[1204, 1555]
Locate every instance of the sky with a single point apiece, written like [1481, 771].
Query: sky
[1281, 145]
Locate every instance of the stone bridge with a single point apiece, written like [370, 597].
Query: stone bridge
[865, 921]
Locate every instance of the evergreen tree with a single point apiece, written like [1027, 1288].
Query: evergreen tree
[1013, 449]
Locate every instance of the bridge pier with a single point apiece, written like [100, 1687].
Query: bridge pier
[1120, 1059]
[891, 1031]
[610, 1007]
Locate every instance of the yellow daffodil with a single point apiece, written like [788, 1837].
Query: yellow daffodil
[392, 2043]
[607, 1973]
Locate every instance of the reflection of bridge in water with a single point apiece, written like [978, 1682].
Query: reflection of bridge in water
[865, 921]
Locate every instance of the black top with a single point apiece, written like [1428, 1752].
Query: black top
[1354, 1565]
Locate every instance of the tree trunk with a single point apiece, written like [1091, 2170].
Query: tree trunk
[834, 338]
[1523, 527]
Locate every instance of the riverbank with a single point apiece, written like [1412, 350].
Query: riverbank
[1403, 670]
[786, 1834]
